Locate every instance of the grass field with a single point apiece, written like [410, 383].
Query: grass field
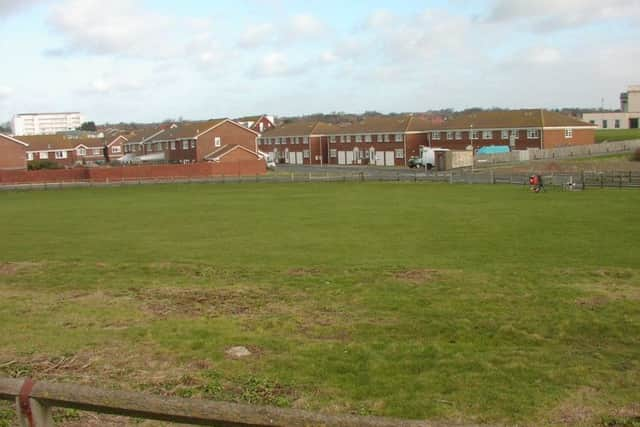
[617, 134]
[474, 303]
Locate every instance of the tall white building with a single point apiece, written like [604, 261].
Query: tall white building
[44, 123]
[627, 118]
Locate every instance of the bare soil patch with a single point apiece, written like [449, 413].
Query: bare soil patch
[304, 272]
[13, 268]
[418, 276]
[199, 302]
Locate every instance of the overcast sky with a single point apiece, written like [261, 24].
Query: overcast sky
[136, 60]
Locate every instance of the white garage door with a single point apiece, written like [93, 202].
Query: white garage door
[299, 158]
[388, 158]
[349, 157]
[342, 157]
[380, 158]
[292, 158]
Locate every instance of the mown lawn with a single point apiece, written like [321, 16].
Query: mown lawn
[610, 135]
[473, 303]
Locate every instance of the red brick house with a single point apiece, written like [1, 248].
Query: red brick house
[302, 142]
[70, 151]
[136, 139]
[12, 153]
[200, 141]
[259, 124]
[519, 129]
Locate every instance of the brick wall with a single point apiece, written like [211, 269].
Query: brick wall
[12, 154]
[114, 174]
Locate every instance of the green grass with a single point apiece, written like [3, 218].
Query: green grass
[473, 303]
[617, 134]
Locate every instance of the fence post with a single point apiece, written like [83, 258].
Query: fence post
[492, 176]
[451, 177]
[398, 176]
[601, 180]
[40, 414]
[582, 178]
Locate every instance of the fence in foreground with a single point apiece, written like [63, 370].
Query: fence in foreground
[564, 180]
[34, 403]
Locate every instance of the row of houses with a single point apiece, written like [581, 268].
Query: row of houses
[214, 140]
[391, 141]
[374, 140]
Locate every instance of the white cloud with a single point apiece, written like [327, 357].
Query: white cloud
[305, 26]
[256, 35]
[5, 92]
[10, 7]
[276, 64]
[119, 27]
[553, 15]
[105, 85]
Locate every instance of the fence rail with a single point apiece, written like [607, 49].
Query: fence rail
[565, 180]
[34, 403]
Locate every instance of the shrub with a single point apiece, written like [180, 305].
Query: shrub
[43, 164]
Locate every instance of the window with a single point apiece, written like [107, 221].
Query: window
[305, 154]
[97, 151]
[173, 145]
[399, 137]
[193, 143]
[504, 134]
[458, 135]
[435, 135]
[185, 145]
[61, 155]
[306, 139]
[616, 124]
[605, 124]
[449, 135]
[346, 139]
[358, 138]
[333, 153]
[300, 140]
[568, 133]
[217, 141]
[533, 134]
[475, 134]
[367, 138]
[116, 149]
[261, 126]
[332, 139]
[82, 151]
[514, 132]
[273, 141]
[385, 138]
[399, 153]
[43, 155]
[487, 134]
[29, 156]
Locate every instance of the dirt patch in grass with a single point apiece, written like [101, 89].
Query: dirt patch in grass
[303, 272]
[418, 276]
[198, 302]
[592, 301]
[13, 268]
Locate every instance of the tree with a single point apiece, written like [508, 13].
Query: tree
[88, 126]
[5, 127]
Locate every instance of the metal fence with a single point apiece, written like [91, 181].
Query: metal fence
[565, 180]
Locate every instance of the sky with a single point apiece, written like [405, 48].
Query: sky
[138, 60]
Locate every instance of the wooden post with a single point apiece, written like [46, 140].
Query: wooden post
[41, 414]
[582, 179]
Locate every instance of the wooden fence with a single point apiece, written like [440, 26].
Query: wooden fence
[35, 400]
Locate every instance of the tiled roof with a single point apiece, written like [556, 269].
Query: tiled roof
[511, 119]
[297, 128]
[187, 130]
[59, 142]
[142, 134]
[225, 149]
[382, 124]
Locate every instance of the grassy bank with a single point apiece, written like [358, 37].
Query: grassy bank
[460, 303]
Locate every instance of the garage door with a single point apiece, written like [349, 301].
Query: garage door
[292, 158]
[299, 158]
[388, 158]
[380, 158]
[342, 157]
[349, 157]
